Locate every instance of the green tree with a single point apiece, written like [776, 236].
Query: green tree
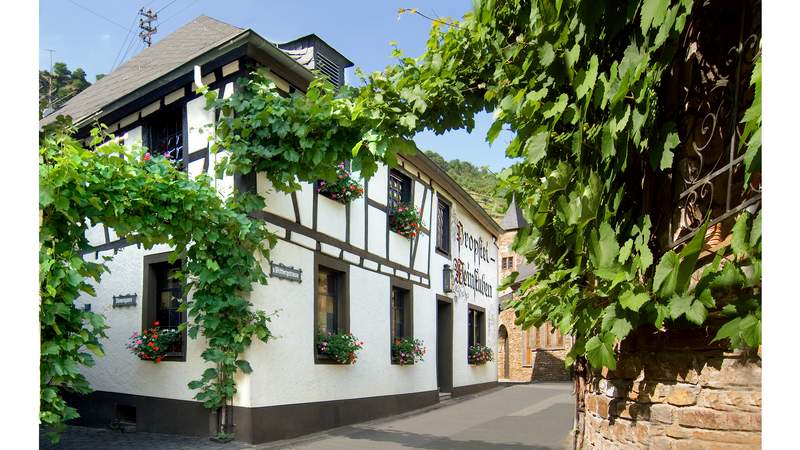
[479, 182]
[60, 85]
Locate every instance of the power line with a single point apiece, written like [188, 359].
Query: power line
[177, 13]
[165, 6]
[97, 14]
[130, 45]
[119, 52]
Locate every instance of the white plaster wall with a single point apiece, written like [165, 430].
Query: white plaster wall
[421, 258]
[133, 138]
[198, 120]
[377, 223]
[399, 249]
[276, 202]
[119, 370]
[305, 203]
[95, 235]
[378, 185]
[196, 168]
[223, 184]
[357, 213]
[331, 218]
[419, 192]
[463, 373]
[284, 369]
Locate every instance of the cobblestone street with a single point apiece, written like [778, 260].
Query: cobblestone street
[525, 416]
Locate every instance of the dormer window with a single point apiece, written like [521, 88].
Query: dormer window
[164, 134]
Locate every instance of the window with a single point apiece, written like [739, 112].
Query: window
[330, 284]
[164, 133]
[399, 189]
[507, 263]
[331, 308]
[475, 326]
[401, 318]
[443, 227]
[401, 311]
[545, 337]
[162, 297]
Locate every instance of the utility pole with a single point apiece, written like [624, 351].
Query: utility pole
[146, 25]
[50, 80]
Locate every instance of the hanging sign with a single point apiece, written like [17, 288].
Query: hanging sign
[124, 300]
[279, 270]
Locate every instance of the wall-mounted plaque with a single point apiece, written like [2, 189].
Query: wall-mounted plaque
[279, 270]
[124, 300]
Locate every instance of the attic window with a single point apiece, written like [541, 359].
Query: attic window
[164, 134]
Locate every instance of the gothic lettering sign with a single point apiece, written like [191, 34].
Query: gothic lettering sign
[476, 251]
[279, 270]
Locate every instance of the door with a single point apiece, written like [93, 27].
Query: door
[503, 341]
[444, 345]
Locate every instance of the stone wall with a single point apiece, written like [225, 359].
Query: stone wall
[547, 363]
[517, 372]
[675, 391]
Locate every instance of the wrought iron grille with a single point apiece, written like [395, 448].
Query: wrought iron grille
[720, 46]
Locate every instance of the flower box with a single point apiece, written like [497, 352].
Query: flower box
[479, 354]
[153, 344]
[340, 348]
[405, 220]
[344, 189]
[407, 351]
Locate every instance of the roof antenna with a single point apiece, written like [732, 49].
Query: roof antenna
[146, 25]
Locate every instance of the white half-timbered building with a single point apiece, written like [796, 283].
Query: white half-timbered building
[335, 266]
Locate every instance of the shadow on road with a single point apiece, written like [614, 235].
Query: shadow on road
[430, 442]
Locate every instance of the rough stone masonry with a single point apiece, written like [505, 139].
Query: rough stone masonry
[675, 391]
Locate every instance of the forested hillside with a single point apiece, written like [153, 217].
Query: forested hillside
[61, 85]
[480, 182]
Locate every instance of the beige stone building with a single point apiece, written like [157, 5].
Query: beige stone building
[535, 354]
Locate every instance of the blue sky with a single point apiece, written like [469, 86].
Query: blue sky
[359, 29]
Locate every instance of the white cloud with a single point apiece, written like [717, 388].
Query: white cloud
[105, 37]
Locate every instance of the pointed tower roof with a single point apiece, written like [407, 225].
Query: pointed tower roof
[513, 220]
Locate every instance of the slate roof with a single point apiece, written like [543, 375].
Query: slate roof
[513, 220]
[183, 45]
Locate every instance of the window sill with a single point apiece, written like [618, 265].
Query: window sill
[443, 253]
[170, 357]
[327, 360]
[328, 196]
[396, 362]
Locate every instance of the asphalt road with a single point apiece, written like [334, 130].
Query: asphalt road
[526, 416]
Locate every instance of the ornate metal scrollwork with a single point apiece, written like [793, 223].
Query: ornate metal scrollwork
[720, 44]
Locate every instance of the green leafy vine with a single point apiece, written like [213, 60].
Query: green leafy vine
[148, 202]
[581, 87]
